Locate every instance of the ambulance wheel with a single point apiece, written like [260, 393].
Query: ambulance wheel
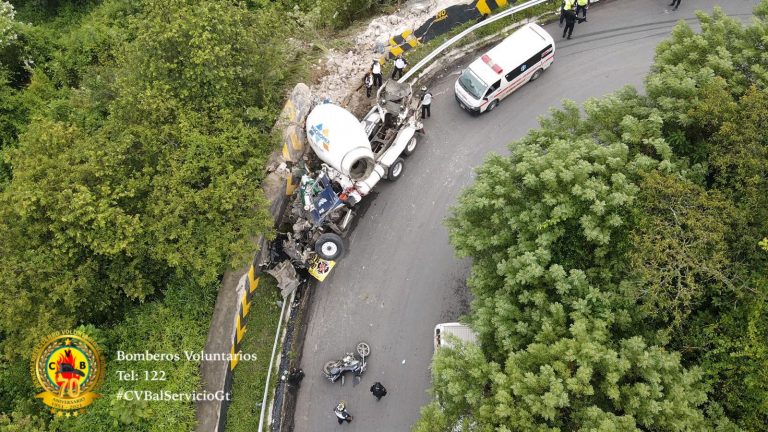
[411, 146]
[537, 74]
[396, 170]
[492, 105]
[329, 246]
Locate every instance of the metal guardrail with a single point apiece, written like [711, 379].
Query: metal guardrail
[447, 44]
[264, 407]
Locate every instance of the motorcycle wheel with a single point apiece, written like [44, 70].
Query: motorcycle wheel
[363, 349]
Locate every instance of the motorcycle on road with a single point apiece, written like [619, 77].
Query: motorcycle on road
[351, 362]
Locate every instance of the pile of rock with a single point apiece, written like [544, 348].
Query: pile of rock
[345, 70]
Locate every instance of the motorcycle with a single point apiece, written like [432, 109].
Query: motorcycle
[351, 362]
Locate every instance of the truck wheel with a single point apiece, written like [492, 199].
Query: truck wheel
[329, 246]
[537, 74]
[411, 146]
[492, 105]
[396, 170]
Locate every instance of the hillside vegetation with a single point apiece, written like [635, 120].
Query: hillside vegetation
[134, 139]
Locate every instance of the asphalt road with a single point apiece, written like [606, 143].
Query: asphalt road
[400, 276]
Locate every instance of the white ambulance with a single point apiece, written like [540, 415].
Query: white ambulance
[457, 330]
[519, 58]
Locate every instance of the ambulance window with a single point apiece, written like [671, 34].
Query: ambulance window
[493, 88]
[520, 69]
[533, 60]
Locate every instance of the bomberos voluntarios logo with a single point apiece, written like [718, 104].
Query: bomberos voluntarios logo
[68, 366]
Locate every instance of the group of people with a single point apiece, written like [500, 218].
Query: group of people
[569, 13]
[373, 79]
[570, 9]
[342, 415]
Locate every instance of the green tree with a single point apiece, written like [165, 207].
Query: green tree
[576, 374]
[658, 204]
[17, 422]
[680, 248]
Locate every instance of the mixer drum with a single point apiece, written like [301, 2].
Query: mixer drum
[338, 139]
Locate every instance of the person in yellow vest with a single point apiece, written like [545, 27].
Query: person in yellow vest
[566, 5]
[570, 21]
[582, 5]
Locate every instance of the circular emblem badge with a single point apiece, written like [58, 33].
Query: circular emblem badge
[68, 366]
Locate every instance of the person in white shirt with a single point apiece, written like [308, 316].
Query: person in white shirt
[426, 103]
[400, 64]
[368, 82]
[376, 71]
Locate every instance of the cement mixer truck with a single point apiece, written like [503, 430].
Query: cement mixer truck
[352, 157]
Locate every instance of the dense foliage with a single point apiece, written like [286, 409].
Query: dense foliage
[618, 276]
[133, 137]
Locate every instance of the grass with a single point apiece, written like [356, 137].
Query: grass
[250, 376]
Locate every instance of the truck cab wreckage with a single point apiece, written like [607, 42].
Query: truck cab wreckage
[350, 157]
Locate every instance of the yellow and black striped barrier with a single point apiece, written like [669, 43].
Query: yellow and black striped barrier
[244, 307]
[486, 6]
[398, 44]
[290, 121]
[442, 22]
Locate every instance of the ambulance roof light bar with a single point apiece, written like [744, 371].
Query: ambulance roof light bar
[496, 68]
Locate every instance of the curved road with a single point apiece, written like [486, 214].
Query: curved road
[399, 276]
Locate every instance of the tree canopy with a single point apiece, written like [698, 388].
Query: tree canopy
[618, 277]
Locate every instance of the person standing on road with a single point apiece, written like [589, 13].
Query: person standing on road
[400, 64]
[566, 5]
[341, 413]
[368, 82]
[675, 3]
[583, 5]
[376, 71]
[378, 390]
[570, 21]
[426, 104]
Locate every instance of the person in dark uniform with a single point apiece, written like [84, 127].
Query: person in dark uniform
[675, 3]
[565, 5]
[570, 21]
[378, 390]
[295, 376]
[582, 6]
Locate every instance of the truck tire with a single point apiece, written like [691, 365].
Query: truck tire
[396, 170]
[537, 74]
[411, 146]
[329, 246]
[492, 105]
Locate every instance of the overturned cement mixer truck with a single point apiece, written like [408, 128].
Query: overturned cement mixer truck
[352, 157]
